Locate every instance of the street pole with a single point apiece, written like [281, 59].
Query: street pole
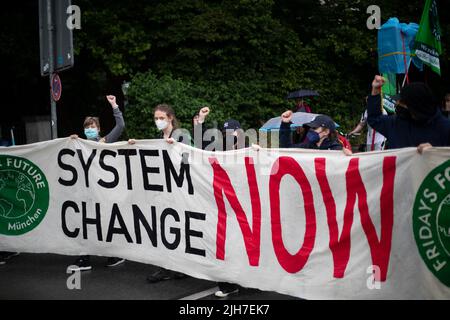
[13, 140]
[54, 120]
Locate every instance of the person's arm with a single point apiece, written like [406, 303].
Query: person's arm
[375, 118]
[202, 114]
[285, 130]
[358, 128]
[200, 128]
[115, 133]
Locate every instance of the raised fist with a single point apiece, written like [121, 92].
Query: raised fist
[203, 113]
[286, 116]
[112, 101]
[377, 83]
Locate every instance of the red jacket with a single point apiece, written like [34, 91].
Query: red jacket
[345, 143]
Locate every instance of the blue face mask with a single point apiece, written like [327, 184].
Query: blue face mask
[312, 136]
[91, 133]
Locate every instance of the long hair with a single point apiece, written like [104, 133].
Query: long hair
[334, 136]
[168, 110]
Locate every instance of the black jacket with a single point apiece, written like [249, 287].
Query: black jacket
[286, 141]
[402, 133]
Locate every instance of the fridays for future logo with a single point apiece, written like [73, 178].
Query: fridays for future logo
[24, 195]
[431, 222]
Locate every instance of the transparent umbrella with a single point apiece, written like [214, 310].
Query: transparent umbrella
[298, 120]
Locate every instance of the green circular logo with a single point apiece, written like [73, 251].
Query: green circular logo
[431, 222]
[24, 195]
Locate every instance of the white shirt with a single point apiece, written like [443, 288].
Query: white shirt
[375, 140]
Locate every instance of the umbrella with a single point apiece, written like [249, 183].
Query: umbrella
[301, 94]
[298, 120]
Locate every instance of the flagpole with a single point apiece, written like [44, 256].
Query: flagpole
[406, 74]
[404, 60]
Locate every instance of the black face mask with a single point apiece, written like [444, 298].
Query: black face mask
[420, 118]
[416, 117]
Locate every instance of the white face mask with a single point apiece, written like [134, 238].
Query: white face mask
[161, 124]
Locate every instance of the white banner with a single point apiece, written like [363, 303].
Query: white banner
[312, 224]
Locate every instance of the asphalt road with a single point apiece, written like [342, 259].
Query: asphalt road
[43, 276]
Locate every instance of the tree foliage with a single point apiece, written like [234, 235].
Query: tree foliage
[241, 57]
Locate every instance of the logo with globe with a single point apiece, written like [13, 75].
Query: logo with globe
[431, 222]
[24, 195]
[443, 224]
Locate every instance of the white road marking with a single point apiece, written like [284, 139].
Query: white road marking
[201, 294]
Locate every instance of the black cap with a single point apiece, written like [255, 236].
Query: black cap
[322, 121]
[231, 124]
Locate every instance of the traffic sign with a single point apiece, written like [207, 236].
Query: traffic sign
[62, 38]
[56, 87]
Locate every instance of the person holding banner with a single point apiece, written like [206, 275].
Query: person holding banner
[165, 120]
[167, 124]
[232, 140]
[417, 123]
[231, 136]
[321, 134]
[374, 141]
[92, 132]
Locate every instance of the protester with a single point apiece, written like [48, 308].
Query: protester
[374, 141]
[167, 124]
[199, 128]
[165, 120]
[321, 134]
[92, 132]
[232, 137]
[232, 140]
[299, 135]
[302, 106]
[417, 123]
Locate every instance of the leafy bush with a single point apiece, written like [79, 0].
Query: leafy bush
[240, 100]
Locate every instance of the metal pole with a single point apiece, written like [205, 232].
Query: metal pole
[13, 140]
[51, 52]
